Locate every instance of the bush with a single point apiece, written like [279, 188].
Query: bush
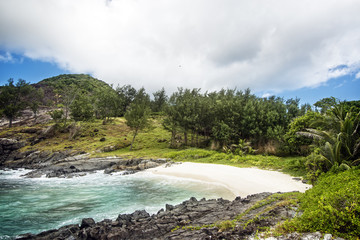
[57, 115]
[189, 154]
[331, 206]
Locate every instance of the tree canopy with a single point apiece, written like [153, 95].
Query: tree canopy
[138, 113]
[13, 98]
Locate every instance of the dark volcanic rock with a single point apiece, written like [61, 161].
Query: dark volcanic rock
[191, 219]
[7, 144]
[81, 164]
[7, 147]
[34, 159]
[87, 222]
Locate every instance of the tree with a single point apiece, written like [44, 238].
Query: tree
[127, 95]
[12, 98]
[221, 133]
[81, 108]
[292, 108]
[138, 113]
[184, 110]
[339, 142]
[68, 94]
[107, 104]
[171, 124]
[35, 97]
[160, 99]
[325, 104]
[296, 143]
[56, 115]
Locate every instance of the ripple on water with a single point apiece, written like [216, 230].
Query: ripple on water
[35, 205]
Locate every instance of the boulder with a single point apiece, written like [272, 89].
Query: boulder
[145, 164]
[8, 148]
[9, 145]
[191, 219]
[87, 222]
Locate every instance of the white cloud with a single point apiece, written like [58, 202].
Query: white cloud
[357, 76]
[7, 57]
[264, 45]
[266, 95]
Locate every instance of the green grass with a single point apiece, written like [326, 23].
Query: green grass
[331, 206]
[153, 142]
[291, 165]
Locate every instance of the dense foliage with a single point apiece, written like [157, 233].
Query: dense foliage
[13, 98]
[223, 120]
[228, 116]
[331, 206]
[84, 82]
[337, 140]
[138, 113]
[325, 140]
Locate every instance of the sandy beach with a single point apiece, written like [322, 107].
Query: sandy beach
[240, 181]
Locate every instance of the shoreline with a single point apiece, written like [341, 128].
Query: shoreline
[240, 181]
[248, 185]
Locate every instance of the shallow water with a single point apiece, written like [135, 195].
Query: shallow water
[36, 205]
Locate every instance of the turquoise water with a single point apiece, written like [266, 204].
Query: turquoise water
[36, 205]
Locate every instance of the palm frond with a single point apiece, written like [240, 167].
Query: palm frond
[355, 162]
[309, 135]
[317, 134]
[356, 148]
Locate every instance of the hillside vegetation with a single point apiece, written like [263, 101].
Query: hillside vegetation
[83, 81]
[319, 143]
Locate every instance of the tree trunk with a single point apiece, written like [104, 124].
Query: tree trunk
[66, 115]
[197, 139]
[173, 135]
[10, 122]
[135, 133]
[185, 138]
[35, 113]
[193, 139]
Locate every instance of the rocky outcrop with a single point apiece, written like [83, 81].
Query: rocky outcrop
[166, 224]
[34, 159]
[8, 146]
[81, 164]
[192, 219]
[67, 163]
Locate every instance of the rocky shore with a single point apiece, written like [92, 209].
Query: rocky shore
[188, 220]
[192, 219]
[66, 163]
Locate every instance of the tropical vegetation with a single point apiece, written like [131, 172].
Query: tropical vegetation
[321, 143]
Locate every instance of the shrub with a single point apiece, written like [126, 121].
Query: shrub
[331, 206]
[189, 154]
[57, 115]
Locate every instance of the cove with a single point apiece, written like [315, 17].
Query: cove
[38, 204]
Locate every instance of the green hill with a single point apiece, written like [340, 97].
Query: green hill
[84, 82]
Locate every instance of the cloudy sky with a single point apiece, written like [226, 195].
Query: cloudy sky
[291, 48]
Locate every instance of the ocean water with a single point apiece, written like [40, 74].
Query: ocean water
[35, 205]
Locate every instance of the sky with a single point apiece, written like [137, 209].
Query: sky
[288, 48]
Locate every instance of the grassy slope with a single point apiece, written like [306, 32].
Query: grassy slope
[150, 143]
[147, 144]
[82, 81]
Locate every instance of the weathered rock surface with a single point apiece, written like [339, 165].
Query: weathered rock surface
[81, 164]
[191, 219]
[66, 163]
[33, 159]
[8, 146]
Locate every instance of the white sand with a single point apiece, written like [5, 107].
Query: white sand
[240, 181]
